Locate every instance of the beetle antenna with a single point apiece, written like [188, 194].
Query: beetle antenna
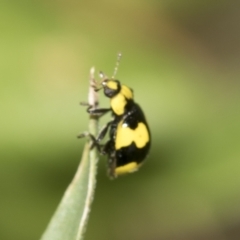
[117, 65]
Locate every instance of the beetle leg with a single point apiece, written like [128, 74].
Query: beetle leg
[93, 139]
[108, 149]
[95, 111]
[112, 165]
[98, 111]
[103, 131]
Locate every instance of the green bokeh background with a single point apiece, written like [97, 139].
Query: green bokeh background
[183, 60]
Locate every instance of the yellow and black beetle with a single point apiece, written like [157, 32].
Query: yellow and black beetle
[129, 133]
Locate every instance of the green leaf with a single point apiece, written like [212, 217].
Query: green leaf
[70, 219]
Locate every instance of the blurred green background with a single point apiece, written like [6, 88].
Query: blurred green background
[182, 58]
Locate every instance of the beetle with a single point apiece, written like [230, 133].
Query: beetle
[129, 134]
